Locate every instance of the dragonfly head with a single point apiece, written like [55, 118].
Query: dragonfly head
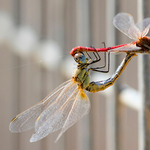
[80, 58]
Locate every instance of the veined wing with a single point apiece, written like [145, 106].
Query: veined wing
[127, 48]
[124, 22]
[71, 108]
[140, 29]
[143, 26]
[62, 101]
[134, 33]
[26, 120]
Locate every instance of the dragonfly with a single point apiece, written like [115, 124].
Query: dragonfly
[68, 103]
[125, 23]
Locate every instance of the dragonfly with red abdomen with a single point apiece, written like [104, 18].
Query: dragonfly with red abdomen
[125, 23]
[68, 103]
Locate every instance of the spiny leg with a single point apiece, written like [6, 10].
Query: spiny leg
[97, 58]
[88, 55]
[98, 68]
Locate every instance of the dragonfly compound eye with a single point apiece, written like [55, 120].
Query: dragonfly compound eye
[80, 58]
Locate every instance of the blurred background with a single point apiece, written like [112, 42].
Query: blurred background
[36, 37]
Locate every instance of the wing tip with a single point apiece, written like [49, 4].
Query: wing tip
[33, 138]
[11, 127]
[60, 134]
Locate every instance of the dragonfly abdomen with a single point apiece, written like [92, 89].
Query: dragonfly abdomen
[102, 85]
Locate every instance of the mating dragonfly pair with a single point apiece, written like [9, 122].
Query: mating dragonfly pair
[68, 102]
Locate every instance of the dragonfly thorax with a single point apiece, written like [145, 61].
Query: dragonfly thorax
[144, 43]
[81, 76]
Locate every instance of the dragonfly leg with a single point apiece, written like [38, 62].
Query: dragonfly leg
[97, 69]
[97, 56]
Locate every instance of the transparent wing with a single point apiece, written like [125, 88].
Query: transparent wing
[143, 26]
[127, 48]
[61, 102]
[73, 107]
[26, 120]
[134, 33]
[124, 22]
[79, 109]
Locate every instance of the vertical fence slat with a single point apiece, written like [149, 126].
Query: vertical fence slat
[144, 113]
[69, 40]
[6, 6]
[8, 102]
[98, 122]
[27, 99]
[47, 142]
[83, 38]
[55, 21]
[144, 86]
[27, 14]
[53, 29]
[49, 81]
[111, 142]
[30, 14]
